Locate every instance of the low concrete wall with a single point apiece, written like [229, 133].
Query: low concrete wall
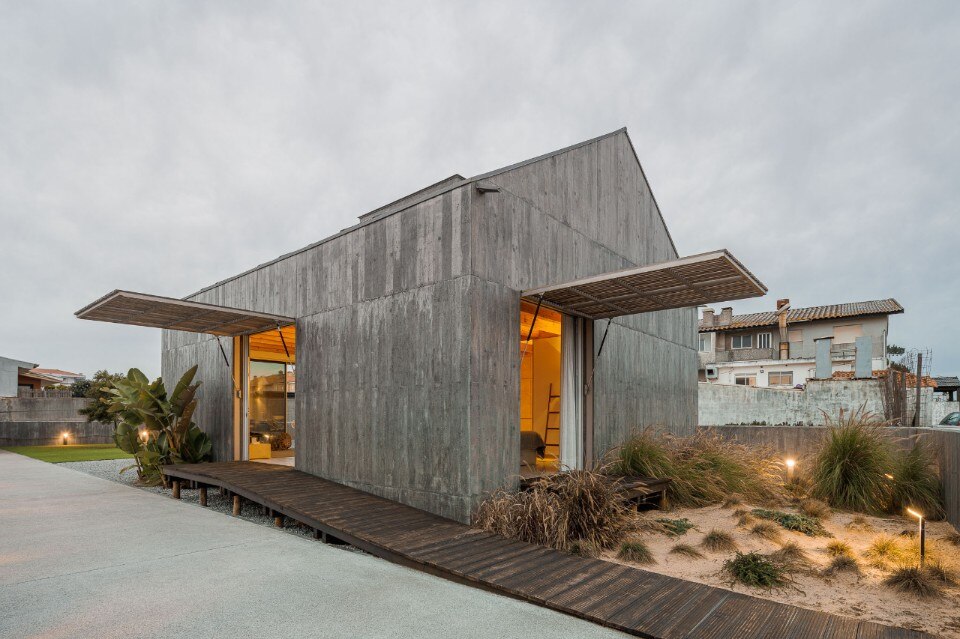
[801, 442]
[51, 433]
[941, 410]
[42, 409]
[725, 404]
[42, 421]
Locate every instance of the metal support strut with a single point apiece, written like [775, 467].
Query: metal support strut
[523, 353]
[596, 359]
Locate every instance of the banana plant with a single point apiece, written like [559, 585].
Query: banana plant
[172, 437]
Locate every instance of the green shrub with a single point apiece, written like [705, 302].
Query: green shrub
[576, 511]
[916, 482]
[636, 551]
[704, 468]
[718, 541]
[756, 570]
[914, 581]
[849, 471]
[687, 551]
[676, 527]
[798, 523]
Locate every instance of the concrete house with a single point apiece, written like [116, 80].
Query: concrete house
[478, 330]
[779, 348]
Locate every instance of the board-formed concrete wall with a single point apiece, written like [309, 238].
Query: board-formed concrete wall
[720, 404]
[42, 421]
[407, 329]
[42, 409]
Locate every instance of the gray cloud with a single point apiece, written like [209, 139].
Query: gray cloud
[164, 146]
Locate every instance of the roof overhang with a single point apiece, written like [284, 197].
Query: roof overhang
[140, 309]
[688, 281]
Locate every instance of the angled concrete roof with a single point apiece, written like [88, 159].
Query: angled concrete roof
[809, 314]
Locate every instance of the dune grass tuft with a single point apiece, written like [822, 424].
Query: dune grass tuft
[718, 541]
[842, 563]
[916, 482]
[676, 527]
[859, 522]
[885, 550]
[953, 538]
[915, 581]
[767, 530]
[733, 500]
[705, 468]
[815, 509]
[839, 549]
[635, 550]
[746, 520]
[940, 573]
[687, 551]
[791, 556]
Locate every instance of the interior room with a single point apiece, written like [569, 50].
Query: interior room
[271, 390]
[540, 394]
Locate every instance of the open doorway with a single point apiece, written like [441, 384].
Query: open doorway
[541, 396]
[269, 413]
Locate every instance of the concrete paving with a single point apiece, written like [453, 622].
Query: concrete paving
[85, 557]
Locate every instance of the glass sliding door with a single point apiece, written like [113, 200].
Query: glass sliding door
[267, 403]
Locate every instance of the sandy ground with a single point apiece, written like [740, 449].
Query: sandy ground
[864, 597]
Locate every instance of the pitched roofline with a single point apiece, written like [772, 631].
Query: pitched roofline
[367, 219]
[760, 324]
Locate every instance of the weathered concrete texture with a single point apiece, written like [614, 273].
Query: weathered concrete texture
[801, 442]
[83, 557]
[51, 433]
[408, 326]
[939, 410]
[42, 409]
[720, 404]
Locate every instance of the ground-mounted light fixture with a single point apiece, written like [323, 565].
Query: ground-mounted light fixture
[791, 464]
[923, 533]
[888, 476]
[66, 438]
[144, 435]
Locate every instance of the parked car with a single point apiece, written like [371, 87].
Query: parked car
[952, 419]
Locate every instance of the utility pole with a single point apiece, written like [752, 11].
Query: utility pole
[916, 407]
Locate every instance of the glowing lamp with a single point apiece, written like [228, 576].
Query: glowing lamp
[144, 435]
[791, 464]
[66, 437]
[888, 476]
[923, 532]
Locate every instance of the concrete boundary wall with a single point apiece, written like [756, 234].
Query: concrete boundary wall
[51, 433]
[726, 404]
[802, 442]
[42, 409]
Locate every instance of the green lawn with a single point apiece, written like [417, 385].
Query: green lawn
[70, 453]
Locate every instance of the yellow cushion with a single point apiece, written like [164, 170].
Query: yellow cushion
[259, 451]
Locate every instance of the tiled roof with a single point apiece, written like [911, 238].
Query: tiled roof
[809, 314]
[911, 381]
[54, 371]
[949, 382]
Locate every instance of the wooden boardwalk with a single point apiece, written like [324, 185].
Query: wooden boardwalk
[637, 602]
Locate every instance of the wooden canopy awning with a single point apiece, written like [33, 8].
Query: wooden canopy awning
[687, 281]
[140, 309]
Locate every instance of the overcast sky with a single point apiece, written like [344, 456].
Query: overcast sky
[162, 146]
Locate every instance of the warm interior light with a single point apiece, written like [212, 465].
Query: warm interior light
[915, 513]
[791, 463]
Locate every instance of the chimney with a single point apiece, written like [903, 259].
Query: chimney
[783, 308]
[782, 303]
[708, 317]
[726, 314]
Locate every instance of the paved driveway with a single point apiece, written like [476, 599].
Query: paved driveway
[85, 557]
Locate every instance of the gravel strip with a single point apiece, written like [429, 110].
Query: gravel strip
[109, 469]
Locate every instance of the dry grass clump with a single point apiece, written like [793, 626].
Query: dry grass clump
[791, 556]
[687, 551]
[939, 571]
[885, 550]
[766, 530]
[842, 563]
[953, 538]
[915, 581]
[859, 522]
[705, 468]
[636, 551]
[733, 500]
[568, 511]
[839, 549]
[718, 541]
[860, 467]
[745, 520]
[815, 508]
[676, 527]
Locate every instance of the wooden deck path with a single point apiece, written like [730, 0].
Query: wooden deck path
[635, 601]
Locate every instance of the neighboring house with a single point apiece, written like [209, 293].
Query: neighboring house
[778, 348]
[64, 377]
[450, 342]
[16, 374]
[948, 388]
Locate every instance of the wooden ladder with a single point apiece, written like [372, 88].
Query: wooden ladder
[555, 445]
